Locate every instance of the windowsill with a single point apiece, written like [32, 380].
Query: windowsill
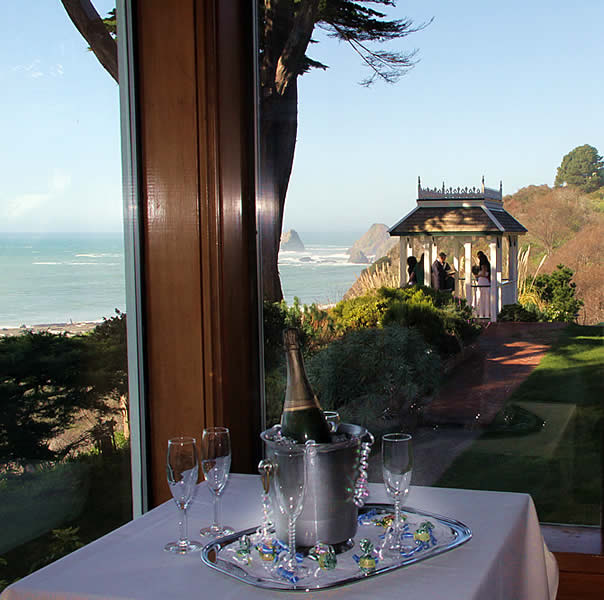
[573, 539]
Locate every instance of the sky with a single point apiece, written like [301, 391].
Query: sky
[503, 90]
[60, 162]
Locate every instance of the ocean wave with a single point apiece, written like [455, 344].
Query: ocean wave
[99, 255]
[319, 255]
[47, 263]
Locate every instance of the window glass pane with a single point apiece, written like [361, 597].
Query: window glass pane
[511, 404]
[64, 433]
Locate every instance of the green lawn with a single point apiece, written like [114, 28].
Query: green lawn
[560, 464]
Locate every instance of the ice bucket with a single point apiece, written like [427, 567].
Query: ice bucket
[332, 475]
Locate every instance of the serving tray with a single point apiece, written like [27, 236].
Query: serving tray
[426, 535]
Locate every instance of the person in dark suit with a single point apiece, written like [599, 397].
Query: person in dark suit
[449, 278]
[438, 272]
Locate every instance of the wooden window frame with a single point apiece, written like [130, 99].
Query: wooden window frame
[193, 84]
[199, 303]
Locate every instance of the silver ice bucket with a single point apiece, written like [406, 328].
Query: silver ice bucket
[332, 487]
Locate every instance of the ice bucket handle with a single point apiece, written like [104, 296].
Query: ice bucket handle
[360, 489]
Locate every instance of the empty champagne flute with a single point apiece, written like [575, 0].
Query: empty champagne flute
[216, 464]
[289, 476]
[182, 467]
[397, 466]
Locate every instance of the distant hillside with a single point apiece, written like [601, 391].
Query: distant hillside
[373, 244]
[290, 240]
[567, 225]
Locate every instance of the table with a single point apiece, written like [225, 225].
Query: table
[506, 559]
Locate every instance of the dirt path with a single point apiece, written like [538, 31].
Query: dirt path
[473, 393]
[502, 358]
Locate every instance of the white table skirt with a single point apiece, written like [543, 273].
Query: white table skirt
[505, 559]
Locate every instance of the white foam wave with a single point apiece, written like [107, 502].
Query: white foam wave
[335, 255]
[99, 255]
[47, 263]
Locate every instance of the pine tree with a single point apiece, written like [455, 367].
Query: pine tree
[582, 167]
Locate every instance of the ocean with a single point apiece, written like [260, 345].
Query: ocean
[60, 278]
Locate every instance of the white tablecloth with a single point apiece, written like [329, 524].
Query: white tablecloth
[505, 559]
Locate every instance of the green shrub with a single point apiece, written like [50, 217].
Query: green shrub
[360, 312]
[275, 382]
[375, 375]
[520, 313]
[558, 292]
[444, 321]
[315, 325]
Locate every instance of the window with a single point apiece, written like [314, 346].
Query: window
[342, 163]
[65, 428]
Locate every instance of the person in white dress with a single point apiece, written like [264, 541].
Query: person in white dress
[483, 291]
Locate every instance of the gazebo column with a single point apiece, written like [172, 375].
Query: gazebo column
[513, 265]
[427, 262]
[495, 259]
[433, 253]
[402, 276]
[409, 252]
[467, 247]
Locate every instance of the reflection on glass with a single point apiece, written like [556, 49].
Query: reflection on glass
[393, 356]
[65, 443]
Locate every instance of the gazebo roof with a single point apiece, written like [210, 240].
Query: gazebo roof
[458, 211]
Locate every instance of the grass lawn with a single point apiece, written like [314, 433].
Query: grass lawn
[560, 463]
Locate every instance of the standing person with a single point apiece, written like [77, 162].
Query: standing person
[449, 277]
[484, 264]
[483, 291]
[411, 264]
[438, 272]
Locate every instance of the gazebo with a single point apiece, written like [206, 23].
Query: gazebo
[467, 215]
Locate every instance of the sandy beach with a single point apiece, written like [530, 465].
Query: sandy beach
[68, 328]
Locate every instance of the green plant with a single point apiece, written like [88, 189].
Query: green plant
[375, 374]
[558, 292]
[360, 312]
[519, 313]
[316, 328]
[63, 542]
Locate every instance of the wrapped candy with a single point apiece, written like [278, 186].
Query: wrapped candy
[324, 555]
[369, 559]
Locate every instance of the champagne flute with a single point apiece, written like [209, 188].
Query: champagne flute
[397, 466]
[216, 464]
[289, 476]
[182, 467]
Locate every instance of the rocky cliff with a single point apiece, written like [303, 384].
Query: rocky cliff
[374, 244]
[290, 240]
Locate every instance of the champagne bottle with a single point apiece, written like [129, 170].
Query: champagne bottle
[302, 417]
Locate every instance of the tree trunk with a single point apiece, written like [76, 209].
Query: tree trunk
[278, 130]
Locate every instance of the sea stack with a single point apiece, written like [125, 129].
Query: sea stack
[374, 244]
[290, 240]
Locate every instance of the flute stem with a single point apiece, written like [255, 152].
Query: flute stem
[216, 524]
[182, 528]
[291, 530]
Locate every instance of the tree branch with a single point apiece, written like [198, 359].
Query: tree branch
[88, 22]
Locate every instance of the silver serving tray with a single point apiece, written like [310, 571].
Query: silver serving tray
[445, 534]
